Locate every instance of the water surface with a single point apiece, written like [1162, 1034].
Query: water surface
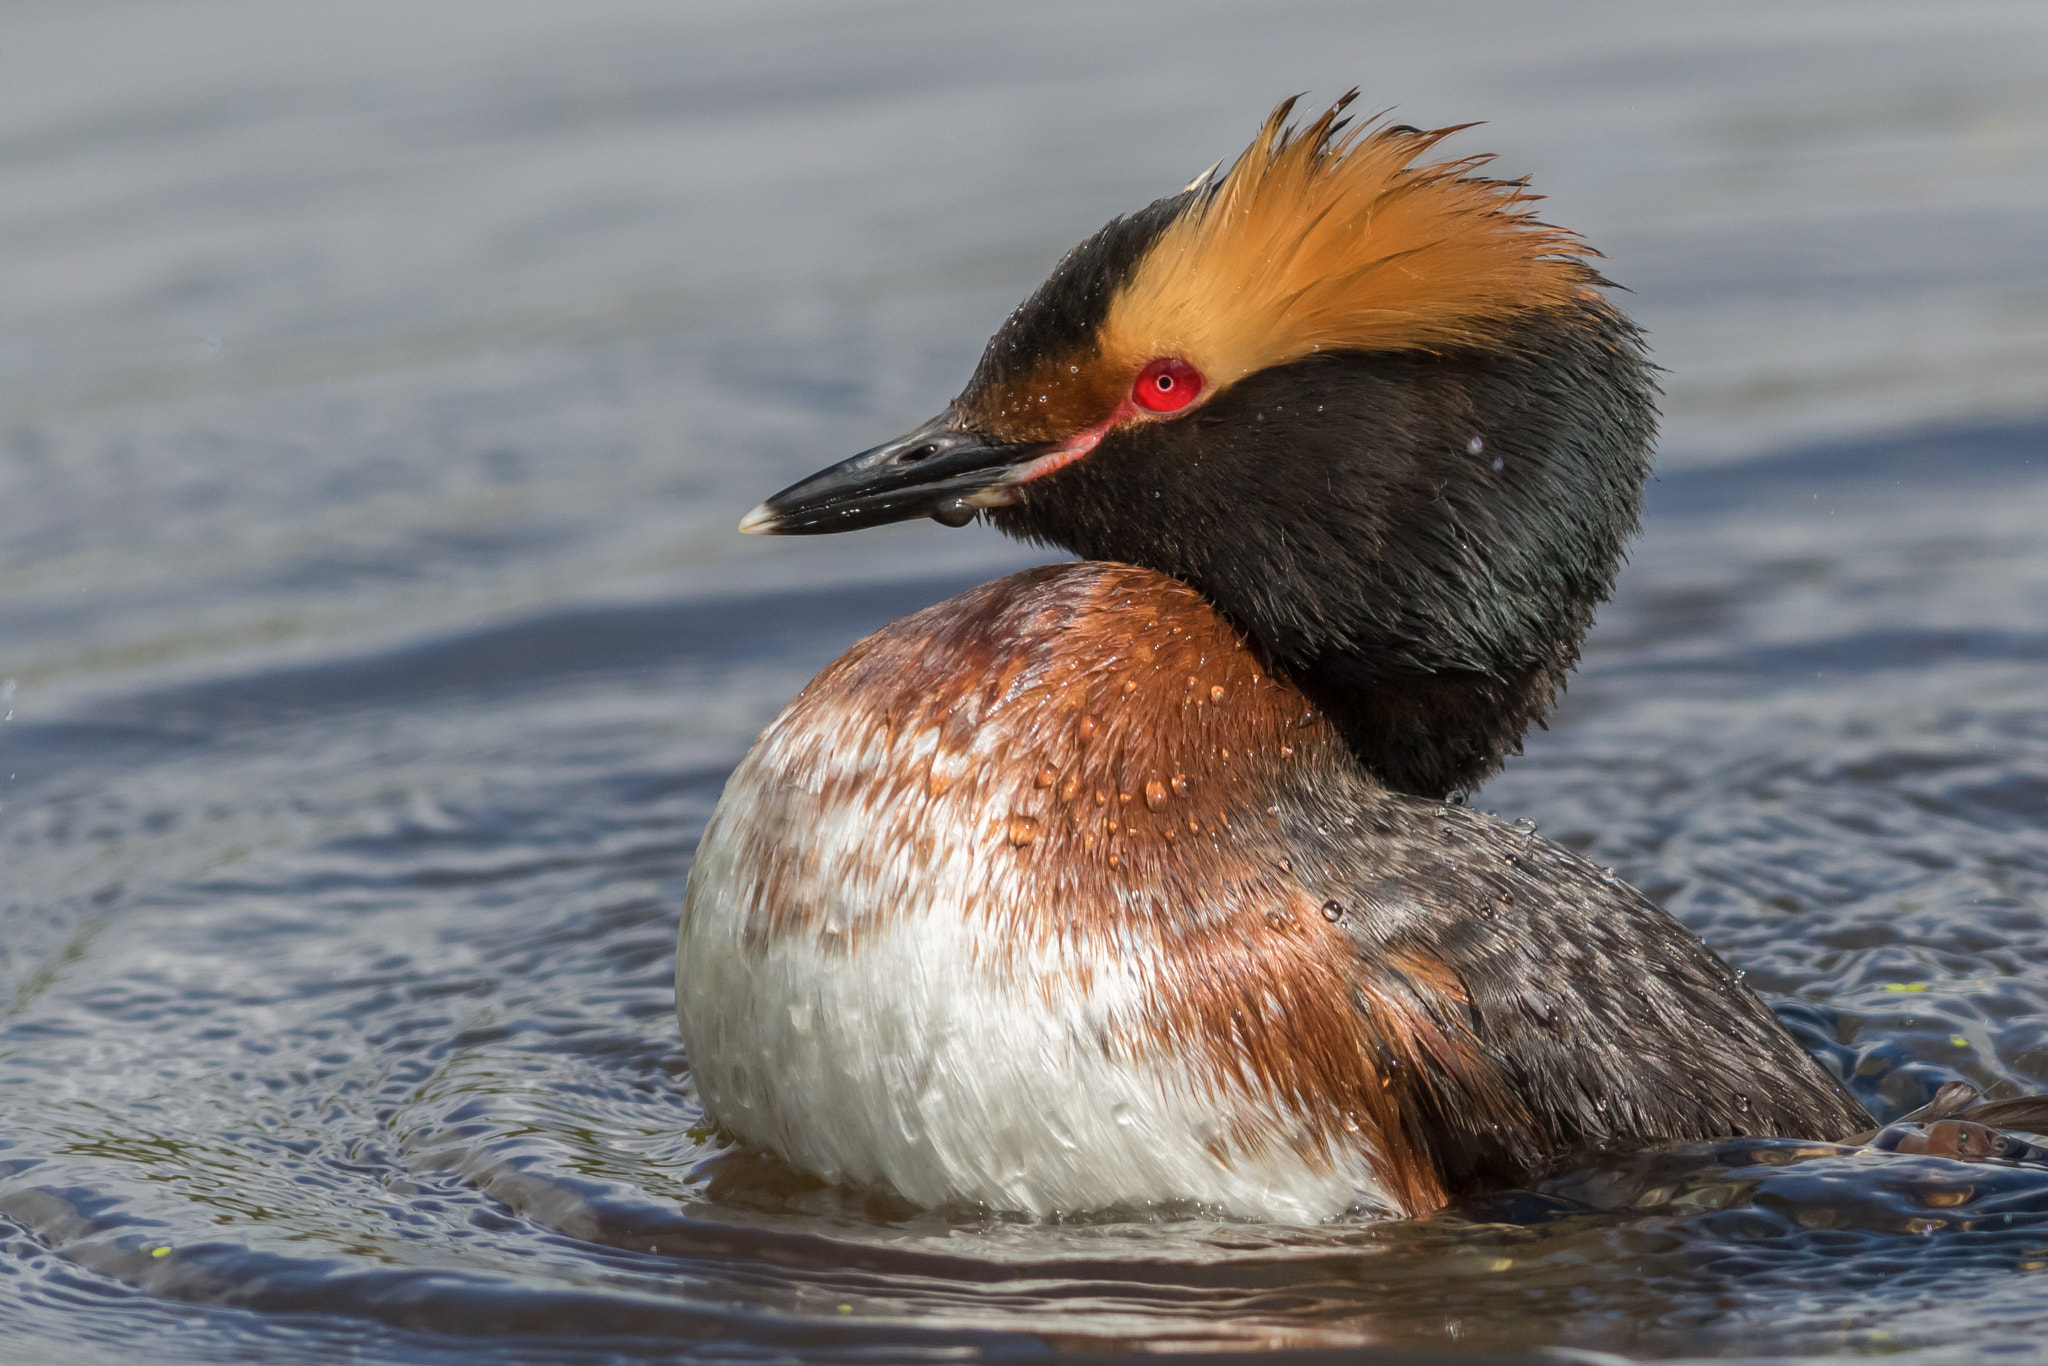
[378, 387]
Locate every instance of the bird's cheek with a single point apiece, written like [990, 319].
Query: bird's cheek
[1058, 458]
[1074, 448]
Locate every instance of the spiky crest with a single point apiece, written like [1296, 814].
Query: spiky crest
[1327, 238]
[1332, 238]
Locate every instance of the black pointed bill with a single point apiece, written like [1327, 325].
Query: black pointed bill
[937, 471]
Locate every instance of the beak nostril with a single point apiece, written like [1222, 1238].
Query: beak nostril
[924, 451]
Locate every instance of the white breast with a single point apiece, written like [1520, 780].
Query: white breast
[856, 996]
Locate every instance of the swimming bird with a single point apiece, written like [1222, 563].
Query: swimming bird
[1143, 880]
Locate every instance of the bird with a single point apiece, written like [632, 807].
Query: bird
[1146, 880]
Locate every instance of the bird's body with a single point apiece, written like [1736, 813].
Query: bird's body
[1054, 896]
[1132, 881]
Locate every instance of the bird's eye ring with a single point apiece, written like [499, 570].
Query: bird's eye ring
[1167, 385]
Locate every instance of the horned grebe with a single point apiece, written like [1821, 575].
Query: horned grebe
[1134, 880]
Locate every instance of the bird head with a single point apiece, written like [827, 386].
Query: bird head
[1370, 406]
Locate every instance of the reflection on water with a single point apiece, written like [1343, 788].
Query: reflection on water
[373, 434]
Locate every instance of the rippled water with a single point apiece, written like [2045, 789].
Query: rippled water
[381, 383]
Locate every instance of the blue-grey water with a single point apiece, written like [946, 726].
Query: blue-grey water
[380, 382]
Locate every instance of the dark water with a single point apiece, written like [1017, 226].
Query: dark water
[378, 386]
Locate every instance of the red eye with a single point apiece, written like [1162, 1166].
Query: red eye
[1166, 385]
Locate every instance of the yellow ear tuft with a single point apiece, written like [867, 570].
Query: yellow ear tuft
[1320, 239]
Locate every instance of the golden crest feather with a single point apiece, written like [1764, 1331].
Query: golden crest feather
[1323, 239]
